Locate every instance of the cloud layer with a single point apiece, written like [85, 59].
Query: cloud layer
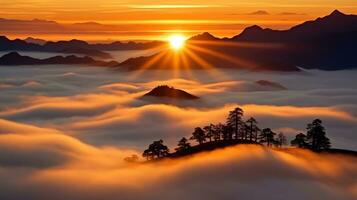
[64, 134]
[47, 164]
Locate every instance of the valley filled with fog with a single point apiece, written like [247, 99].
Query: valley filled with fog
[67, 123]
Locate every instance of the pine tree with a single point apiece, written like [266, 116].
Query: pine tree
[156, 149]
[267, 136]
[183, 145]
[299, 141]
[316, 136]
[199, 135]
[253, 129]
[209, 132]
[281, 140]
[234, 120]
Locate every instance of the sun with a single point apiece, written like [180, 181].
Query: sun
[177, 41]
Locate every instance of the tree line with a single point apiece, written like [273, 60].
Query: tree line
[236, 130]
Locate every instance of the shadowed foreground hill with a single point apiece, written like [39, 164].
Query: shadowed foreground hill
[237, 131]
[15, 58]
[210, 146]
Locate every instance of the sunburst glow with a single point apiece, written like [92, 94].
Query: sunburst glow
[181, 55]
[177, 41]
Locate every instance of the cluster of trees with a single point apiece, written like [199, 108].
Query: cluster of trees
[237, 130]
[315, 138]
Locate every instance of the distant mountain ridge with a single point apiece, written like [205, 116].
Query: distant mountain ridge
[327, 43]
[336, 22]
[35, 40]
[204, 36]
[74, 46]
[14, 58]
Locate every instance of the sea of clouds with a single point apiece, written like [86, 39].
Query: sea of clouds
[64, 131]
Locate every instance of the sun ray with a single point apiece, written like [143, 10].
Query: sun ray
[185, 64]
[176, 65]
[178, 53]
[235, 44]
[234, 60]
[204, 64]
[148, 64]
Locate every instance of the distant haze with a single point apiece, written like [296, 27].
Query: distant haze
[140, 20]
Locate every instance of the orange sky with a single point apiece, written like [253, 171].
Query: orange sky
[217, 16]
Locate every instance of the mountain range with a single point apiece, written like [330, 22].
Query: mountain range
[327, 43]
[14, 58]
[73, 46]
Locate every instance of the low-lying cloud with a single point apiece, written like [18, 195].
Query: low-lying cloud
[57, 166]
[65, 131]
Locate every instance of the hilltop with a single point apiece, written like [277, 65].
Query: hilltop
[165, 91]
[240, 131]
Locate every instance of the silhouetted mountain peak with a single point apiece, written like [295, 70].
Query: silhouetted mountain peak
[254, 28]
[203, 36]
[11, 55]
[336, 13]
[35, 40]
[79, 42]
[250, 32]
[3, 38]
[170, 92]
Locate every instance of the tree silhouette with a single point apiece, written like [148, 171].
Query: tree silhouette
[217, 131]
[183, 145]
[267, 136]
[198, 135]
[316, 136]
[253, 129]
[281, 140]
[148, 154]
[244, 130]
[237, 131]
[209, 132]
[156, 149]
[227, 132]
[299, 141]
[234, 120]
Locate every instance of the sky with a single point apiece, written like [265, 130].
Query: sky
[117, 11]
[221, 17]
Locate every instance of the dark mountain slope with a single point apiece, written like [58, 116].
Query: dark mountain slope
[14, 58]
[74, 46]
[334, 23]
[327, 43]
[233, 60]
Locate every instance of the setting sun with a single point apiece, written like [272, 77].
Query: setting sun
[177, 41]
